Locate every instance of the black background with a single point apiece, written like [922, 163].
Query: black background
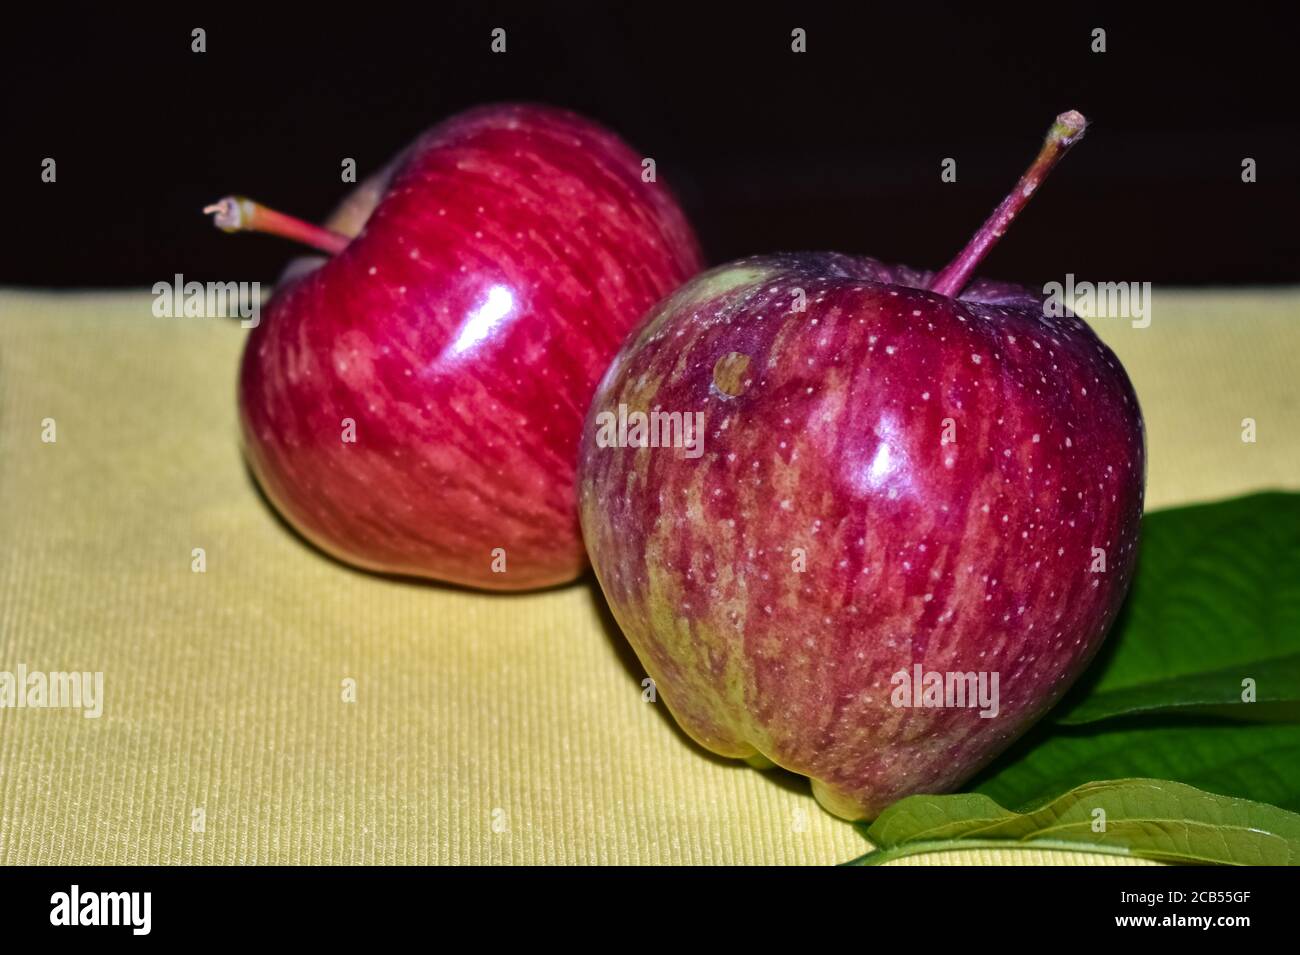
[838, 148]
[322, 909]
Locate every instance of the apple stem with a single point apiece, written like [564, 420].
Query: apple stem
[1065, 132]
[237, 214]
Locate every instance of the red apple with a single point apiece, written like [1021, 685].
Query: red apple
[413, 405]
[916, 470]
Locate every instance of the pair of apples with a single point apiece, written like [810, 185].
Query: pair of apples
[902, 476]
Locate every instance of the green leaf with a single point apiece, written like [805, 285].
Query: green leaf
[1146, 818]
[1215, 692]
[1215, 602]
[1259, 761]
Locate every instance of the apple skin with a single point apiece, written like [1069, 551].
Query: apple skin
[496, 266]
[966, 557]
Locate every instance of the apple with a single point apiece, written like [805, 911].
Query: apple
[413, 403]
[912, 516]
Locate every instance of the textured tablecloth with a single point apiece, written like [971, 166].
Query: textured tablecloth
[485, 728]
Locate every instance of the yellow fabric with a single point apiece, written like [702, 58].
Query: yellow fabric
[224, 689]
